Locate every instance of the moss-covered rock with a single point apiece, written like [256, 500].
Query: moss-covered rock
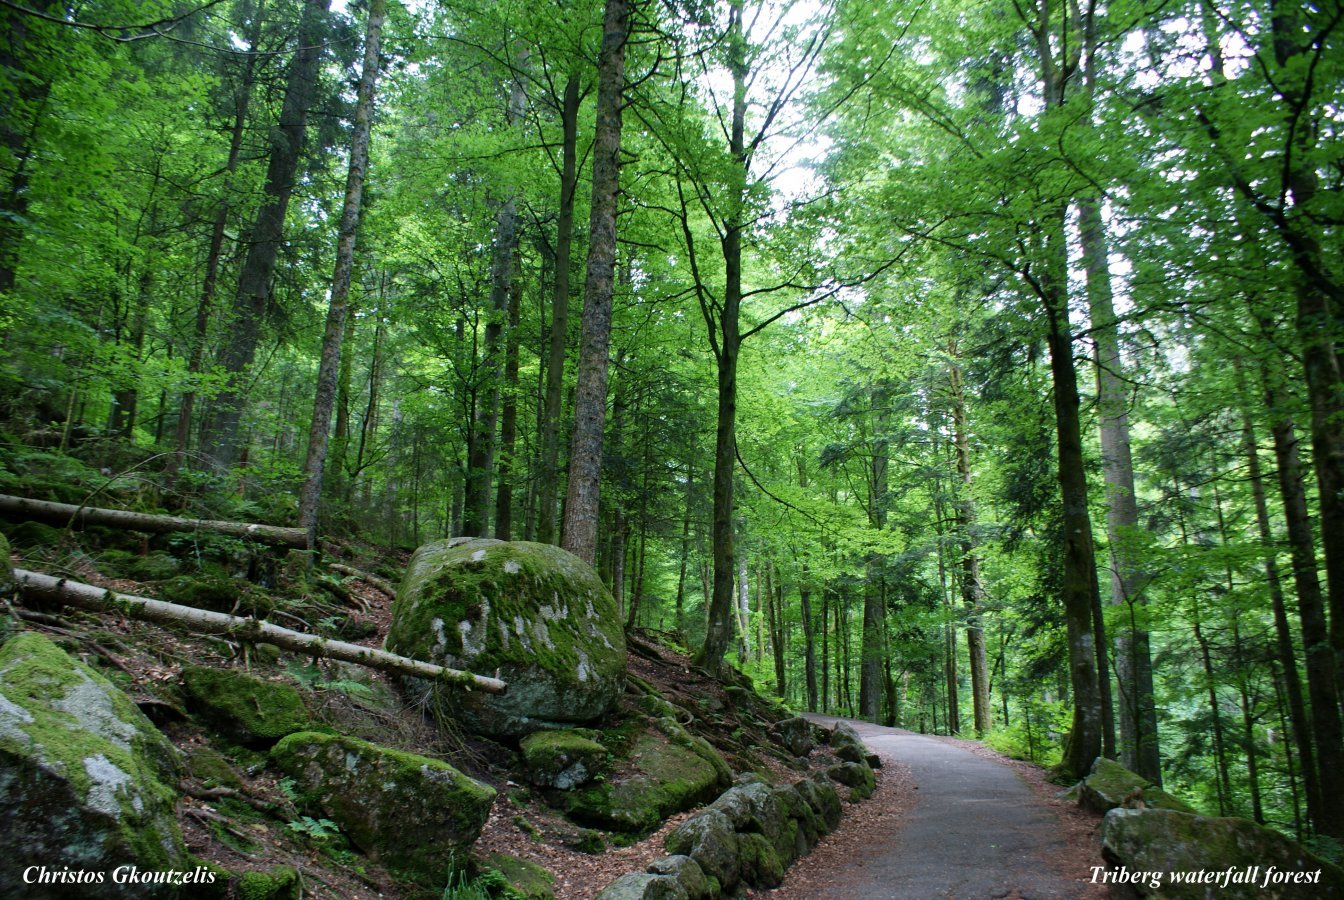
[212, 769]
[820, 794]
[533, 614]
[6, 569]
[84, 776]
[664, 779]
[414, 814]
[693, 880]
[278, 883]
[761, 865]
[562, 759]
[215, 591]
[244, 708]
[644, 886]
[529, 880]
[708, 838]
[154, 566]
[757, 808]
[1166, 841]
[847, 744]
[1109, 784]
[856, 776]
[793, 734]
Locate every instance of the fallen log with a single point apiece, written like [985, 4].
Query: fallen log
[379, 583]
[67, 514]
[40, 586]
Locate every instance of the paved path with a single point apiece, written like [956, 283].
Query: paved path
[975, 832]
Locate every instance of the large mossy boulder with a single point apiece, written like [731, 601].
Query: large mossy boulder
[1180, 845]
[414, 814]
[249, 710]
[660, 778]
[85, 778]
[531, 614]
[1110, 784]
[708, 838]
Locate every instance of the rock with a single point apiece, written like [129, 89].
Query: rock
[795, 735]
[243, 708]
[702, 748]
[758, 809]
[279, 883]
[665, 779]
[810, 825]
[847, 744]
[856, 776]
[873, 760]
[693, 880]
[1167, 841]
[531, 614]
[1109, 784]
[709, 839]
[643, 886]
[527, 879]
[85, 779]
[412, 813]
[820, 794]
[6, 569]
[562, 759]
[761, 866]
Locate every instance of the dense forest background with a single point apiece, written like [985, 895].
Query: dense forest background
[969, 366]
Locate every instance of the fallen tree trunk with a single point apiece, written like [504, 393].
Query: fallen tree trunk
[67, 514]
[379, 583]
[40, 586]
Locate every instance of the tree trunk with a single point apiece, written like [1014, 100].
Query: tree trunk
[1283, 644]
[809, 641]
[48, 588]
[1133, 659]
[590, 410]
[549, 473]
[1320, 661]
[68, 515]
[221, 442]
[743, 611]
[874, 595]
[774, 593]
[329, 363]
[204, 306]
[508, 423]
[972, 590]
[1079, 586]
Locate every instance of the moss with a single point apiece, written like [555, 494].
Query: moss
[280, 883]
[33, 534]
[761, 866]
[214, 591]
[93, 773]
[244, 708]
[414, 813]
[529, 880]
[666, 779]
[212, 769]
[155, 566]
[1109, 784]
[562, 759]
[532, 612]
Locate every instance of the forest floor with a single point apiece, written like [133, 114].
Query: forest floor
[951, 818]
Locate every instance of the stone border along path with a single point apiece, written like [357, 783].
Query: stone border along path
[976, 830]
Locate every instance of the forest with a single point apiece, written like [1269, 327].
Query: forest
[971, 366]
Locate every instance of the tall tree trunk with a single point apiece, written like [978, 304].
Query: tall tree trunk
[683, 561]
[825, 649]
[1079, 588]
[774, 593]
[221, 443]
[1133, 658]
[329, 364]
[508, 423]
[972, 590]
[549, 473]
[23, 104]
[483, 455]
[743, 610]
[718, 633]
[590, 410]
[874, 595]
[242, 99]
[1283, 643]
[1320, 661]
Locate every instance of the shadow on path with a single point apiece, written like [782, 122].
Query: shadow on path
[975, 832]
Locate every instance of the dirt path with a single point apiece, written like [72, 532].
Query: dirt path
[968, 828]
